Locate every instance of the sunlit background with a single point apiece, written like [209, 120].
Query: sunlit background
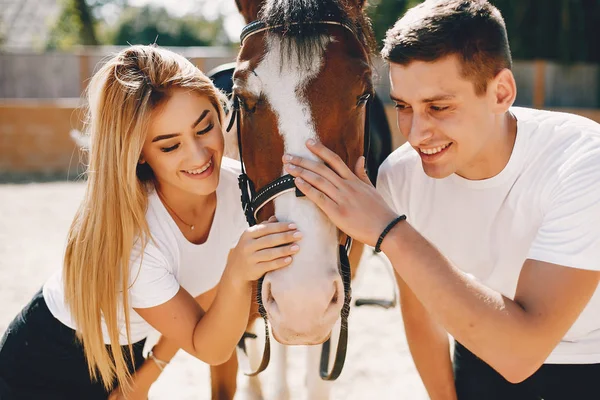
[49, 49]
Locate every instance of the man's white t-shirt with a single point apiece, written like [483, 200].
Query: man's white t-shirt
[169, 259]
[544, 205]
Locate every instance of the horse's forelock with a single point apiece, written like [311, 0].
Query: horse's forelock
[300, 39]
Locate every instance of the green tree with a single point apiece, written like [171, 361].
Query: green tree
[384, 13]
[150, 24]
[74, 25]
[559, 30]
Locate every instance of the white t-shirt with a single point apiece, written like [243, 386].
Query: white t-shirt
[544, 205]
[169, 259]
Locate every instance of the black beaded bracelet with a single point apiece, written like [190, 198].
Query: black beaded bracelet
[387, 230]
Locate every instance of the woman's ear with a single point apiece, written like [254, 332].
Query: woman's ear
[142, 160]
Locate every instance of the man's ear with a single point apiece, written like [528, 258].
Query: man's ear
[504, 90]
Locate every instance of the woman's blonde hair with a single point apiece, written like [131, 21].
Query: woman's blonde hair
[121, 97]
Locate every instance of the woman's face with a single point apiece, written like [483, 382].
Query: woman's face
[184, 144]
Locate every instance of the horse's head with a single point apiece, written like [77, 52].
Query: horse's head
[305, 73]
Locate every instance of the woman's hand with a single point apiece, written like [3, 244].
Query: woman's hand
[262, 248]
[349, 199]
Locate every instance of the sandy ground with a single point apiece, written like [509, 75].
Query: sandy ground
[34, 220]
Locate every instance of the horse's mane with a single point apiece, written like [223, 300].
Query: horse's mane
[303, 39]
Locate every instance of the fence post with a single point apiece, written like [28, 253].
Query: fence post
[84, 68]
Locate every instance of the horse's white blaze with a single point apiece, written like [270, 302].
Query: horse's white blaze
[305, 287]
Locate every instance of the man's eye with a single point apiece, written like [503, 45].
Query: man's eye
[400, 107]
[439, 108]
[168, 149]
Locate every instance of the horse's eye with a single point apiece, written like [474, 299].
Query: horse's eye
[248, 104]
[363, 99]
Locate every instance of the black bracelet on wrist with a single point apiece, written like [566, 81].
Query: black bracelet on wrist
[387, 230]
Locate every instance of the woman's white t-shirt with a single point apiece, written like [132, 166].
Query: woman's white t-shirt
[544, 205]
[169, 260]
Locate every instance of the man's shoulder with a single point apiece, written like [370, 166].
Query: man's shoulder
[554, 121]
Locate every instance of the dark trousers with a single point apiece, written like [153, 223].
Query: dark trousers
[476, 380]
[41, 359]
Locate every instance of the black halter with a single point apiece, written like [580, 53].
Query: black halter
[253, 201]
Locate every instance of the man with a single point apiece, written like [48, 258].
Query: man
[501, 245]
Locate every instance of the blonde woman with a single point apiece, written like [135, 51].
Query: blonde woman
[159, 227]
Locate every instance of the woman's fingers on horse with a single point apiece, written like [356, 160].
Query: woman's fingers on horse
[268, 266]
[326, 204]
[277, 239]
[271, 254]
[332, 159]
[269, 228]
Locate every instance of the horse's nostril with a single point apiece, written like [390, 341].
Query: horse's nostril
[335, 297]
[270, 298]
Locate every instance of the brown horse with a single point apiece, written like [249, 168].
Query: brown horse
[306, 75]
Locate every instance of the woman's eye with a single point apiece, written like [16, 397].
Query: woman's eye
[206, 130]
[168, 149]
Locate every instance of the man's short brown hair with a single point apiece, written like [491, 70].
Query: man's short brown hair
[474, 30]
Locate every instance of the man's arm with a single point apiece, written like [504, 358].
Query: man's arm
[514, 337]
[429, 346]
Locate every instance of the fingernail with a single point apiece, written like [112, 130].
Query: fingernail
[297, 234]
[290, 166]
[287, 260]
[292, 226]
[287, 158]
[310, 142]
[295, 247]
[299, 181]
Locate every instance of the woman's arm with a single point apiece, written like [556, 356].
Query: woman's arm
[212, 336]
[164, 350]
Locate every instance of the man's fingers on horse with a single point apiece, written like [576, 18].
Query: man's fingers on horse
[297, 165]
[327, 205]
[277, 252]
[318, 181]
[334, 161]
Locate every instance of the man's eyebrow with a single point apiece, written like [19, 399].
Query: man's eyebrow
[441, 97]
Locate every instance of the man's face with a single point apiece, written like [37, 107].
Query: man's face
[442, 117]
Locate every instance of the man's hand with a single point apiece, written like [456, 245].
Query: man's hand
[349, 199]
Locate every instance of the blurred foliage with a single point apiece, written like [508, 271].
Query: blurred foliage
[384, 13]
[82, 22]
[559, 30]
[148, 24]
[74, 25]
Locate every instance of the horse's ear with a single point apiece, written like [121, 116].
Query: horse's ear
[249, 9]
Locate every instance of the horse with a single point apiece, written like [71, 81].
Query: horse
[303, 71]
